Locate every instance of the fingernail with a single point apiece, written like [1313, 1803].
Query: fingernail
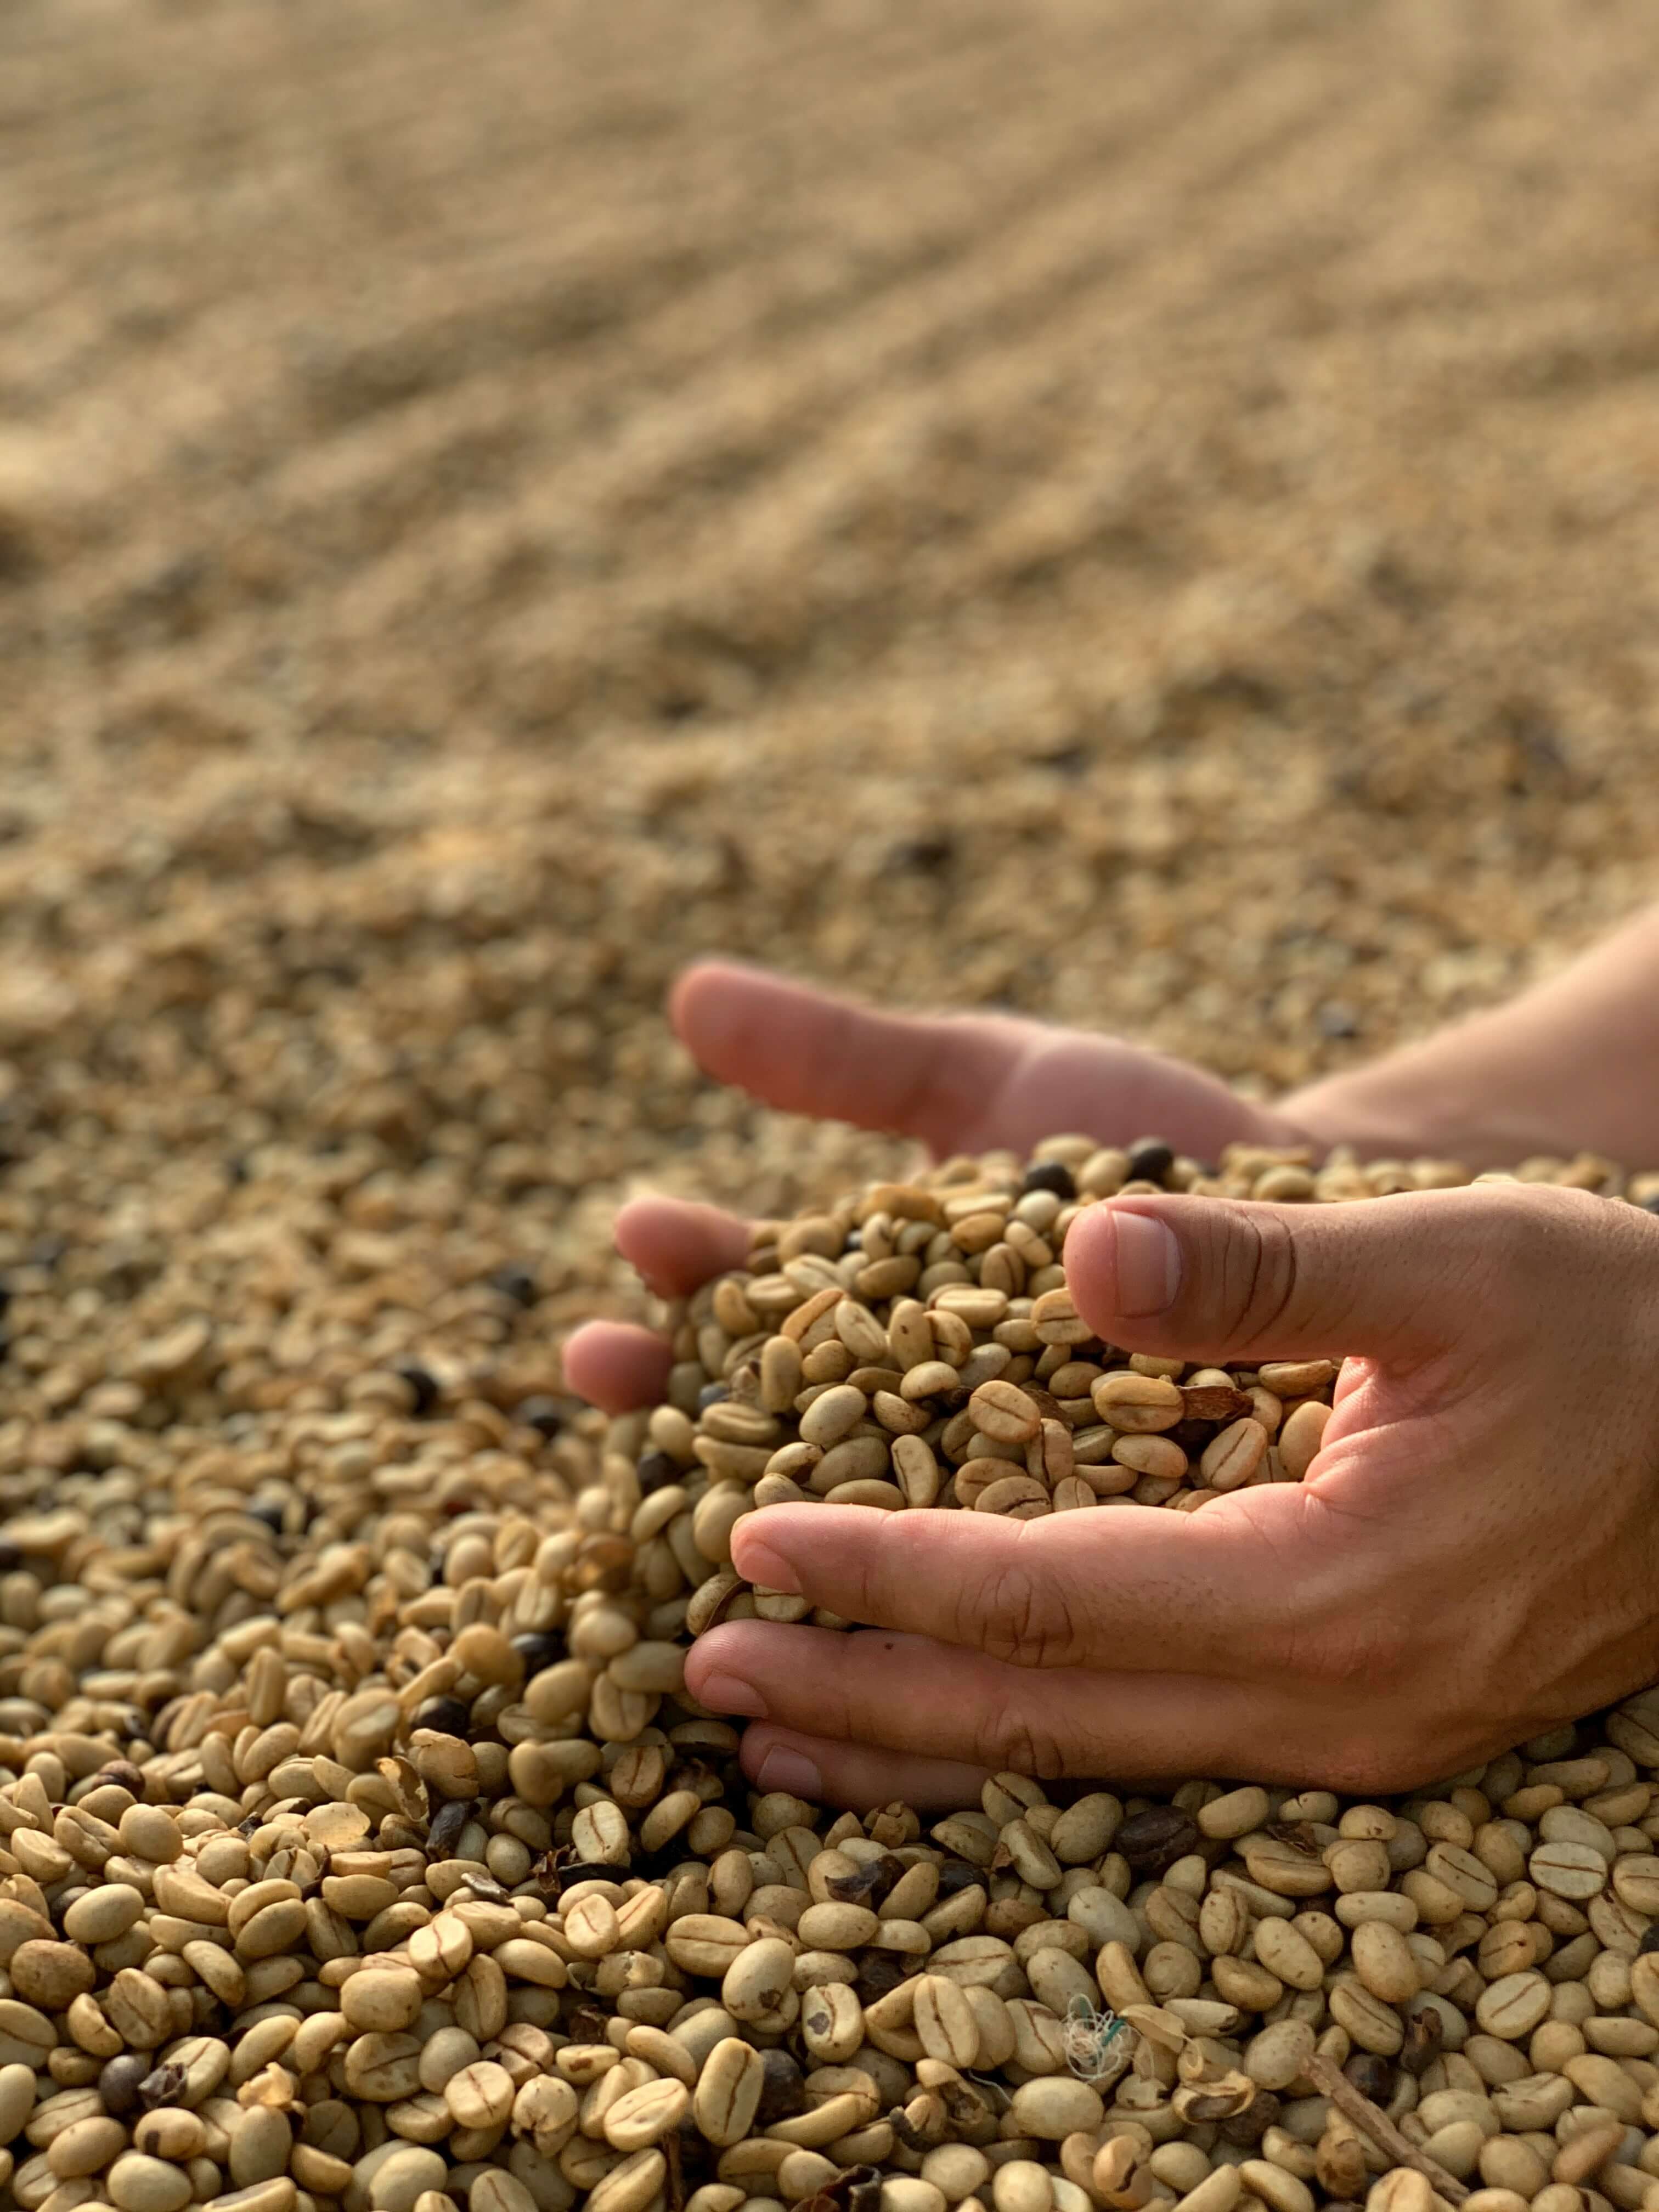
[783, 1769]
[729, 1694]
[767, 1569]
[1146, 1262]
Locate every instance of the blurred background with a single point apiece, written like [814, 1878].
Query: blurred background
[1148, 515]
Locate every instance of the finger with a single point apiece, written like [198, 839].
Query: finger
[1120, 1588]
[1204, 1279]
[617, 1366]
[856, 1774]
[677, 1245]
[909, 1696]
[809, 1052]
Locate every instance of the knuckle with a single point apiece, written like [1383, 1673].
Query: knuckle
[1011, 1739]
[1020, 1613]
[1258, 1276]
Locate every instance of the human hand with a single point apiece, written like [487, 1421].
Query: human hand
[958, 1082]
[1474, 1555]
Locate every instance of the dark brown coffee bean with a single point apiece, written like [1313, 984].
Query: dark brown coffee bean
[1371, 2076]
[1155, 1838]
[784, 2092]
[1425, 2033]
[1249, 2126]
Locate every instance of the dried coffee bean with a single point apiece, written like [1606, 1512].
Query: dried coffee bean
[1050, 1175]
[422, 1387]
[783, 2089]
[1150, 1159]
[1153, 1840]
[446, 1716]
[120, 2084]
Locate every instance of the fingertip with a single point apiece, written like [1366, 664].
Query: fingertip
[856, 1775]
[615, 1366]
[1123, 1263]
[704, 1005]
[677, 1245]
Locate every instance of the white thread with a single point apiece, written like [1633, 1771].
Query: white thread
[1097, 2043]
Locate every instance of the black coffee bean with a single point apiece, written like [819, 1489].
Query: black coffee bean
[11, 1558]
[1153, 1840]
[880, 1972]
[424, 1386]
[118, 2085]
[516, 1281]
[447, 1716]
[852, 1888]
[713, 1393]
[783, 2089]
[567, 1877]
[271, 1510]
[540, 1648]
[956, 1875]
[1649, 1941]
[125, 1776]
[445, 1830]
[541, 1414]
[1150, 1159]
[1050, 1174]
[655, 1470]
[1371, 2076]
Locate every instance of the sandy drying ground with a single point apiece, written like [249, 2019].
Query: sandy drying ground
[1145, 513]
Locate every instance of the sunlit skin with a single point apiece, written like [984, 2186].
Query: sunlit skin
[1473, 1555]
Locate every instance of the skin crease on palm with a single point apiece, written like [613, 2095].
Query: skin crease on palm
[1474, 1555]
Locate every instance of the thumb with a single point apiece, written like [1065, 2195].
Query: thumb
[1206, 1278]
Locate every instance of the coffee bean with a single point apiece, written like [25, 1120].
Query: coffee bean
[515, 1280]
[120, 2084]
[1051, 1176]
[1150, 1159]
[1155, 1840]
[422, 1385]
[544, 1415]
[783, 2090]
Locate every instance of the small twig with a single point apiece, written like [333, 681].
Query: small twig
[675, 2173]
[1332, 2082]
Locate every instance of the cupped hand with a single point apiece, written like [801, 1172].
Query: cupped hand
[1472, 1557]
[957, 1082]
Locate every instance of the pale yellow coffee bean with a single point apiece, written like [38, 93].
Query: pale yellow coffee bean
[1575, 1871]
[138, 2183]
[1300, 1436]
[1055, 2106]
[1233, 1815]
[479, 2096]
[382, 1999]
[1514, 2006]
[1231, 1458]
[833, 1414]
[1137, 1404]
[728, 2091]
[643, 2116]
[1385, 1962]
[944, 2022]
[1003, 1411]
[1021, 2185]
